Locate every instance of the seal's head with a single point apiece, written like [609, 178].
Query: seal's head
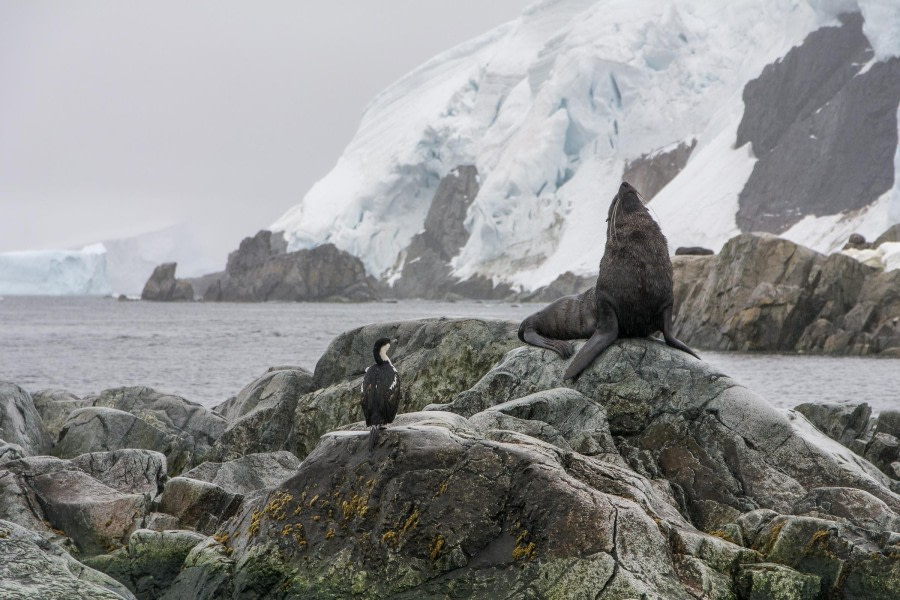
[626, 201]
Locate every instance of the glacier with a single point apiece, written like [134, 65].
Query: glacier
[55, 272]
[551, 108]
[114, 266]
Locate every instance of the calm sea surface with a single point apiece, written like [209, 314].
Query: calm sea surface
[208, 352]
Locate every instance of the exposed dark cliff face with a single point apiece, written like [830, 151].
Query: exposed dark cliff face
[824, 128]
[651, 172]
[260, 270]
[426, 267]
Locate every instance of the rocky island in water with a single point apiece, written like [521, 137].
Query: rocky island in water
[652, 476]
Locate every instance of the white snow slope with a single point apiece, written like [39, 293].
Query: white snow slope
[549, 108]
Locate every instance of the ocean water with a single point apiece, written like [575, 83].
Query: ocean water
[206, 352]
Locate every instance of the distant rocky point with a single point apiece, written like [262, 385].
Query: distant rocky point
[163, 287]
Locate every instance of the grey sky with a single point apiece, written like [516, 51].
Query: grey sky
[120, 117]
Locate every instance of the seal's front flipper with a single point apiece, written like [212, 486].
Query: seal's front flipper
[530, 336]
[670, 338]
[598, 342]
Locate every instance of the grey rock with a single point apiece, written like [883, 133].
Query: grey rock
[426, 271]
[198, 505]
[891, 234]
[850, 506]
[96, 429]
[567, 284]
[562, 417]
[888, 422]
[97, 517]
[140, 417]
[882, 451]
[207, 574]
[20, 422]
[261, 270]
[770, 581]
[248, 473]
[841, 422]
[55, 406]
[164, 287]
[267, 390]
[768, 294]
[33, 568]
[157, 521]
[129, 470]
[262, 415]
[10, 452]
[391, 524]
[693, 251]
[150, 562]
[727, 450]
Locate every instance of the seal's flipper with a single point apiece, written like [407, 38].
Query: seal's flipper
[670, 338]
[530, 336]
[598, 342]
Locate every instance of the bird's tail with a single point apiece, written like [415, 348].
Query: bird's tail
[373, 437]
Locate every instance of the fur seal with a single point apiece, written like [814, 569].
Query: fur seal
[633, 296]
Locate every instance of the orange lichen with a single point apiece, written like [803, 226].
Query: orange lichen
[436, 546]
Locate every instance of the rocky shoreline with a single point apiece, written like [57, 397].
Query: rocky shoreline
[654, 475]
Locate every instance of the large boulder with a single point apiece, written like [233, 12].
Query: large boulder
[212, 492]
[261, 270]
[724, 448]
[150, 562]
[140, 417]
[261, 417]
[20, 422]
[164, 287]
[32, 568]
[437, 359]
[55, 406]
[98, 518]
[129, 470]
[438, 512]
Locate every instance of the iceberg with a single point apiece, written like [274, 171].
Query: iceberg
[55, 272]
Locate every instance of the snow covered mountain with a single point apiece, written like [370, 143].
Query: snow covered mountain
[774, 115]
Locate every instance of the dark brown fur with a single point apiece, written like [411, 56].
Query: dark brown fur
[633, 296]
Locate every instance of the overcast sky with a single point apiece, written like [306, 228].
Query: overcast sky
[121, 117]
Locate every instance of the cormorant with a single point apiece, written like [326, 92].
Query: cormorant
[380, 391]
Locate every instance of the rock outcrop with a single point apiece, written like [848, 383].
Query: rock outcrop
[163, 287]
[140, 417]
[764, 293]
[262, 270]
[438, 358]
[651, 172]
[653, 475]
[20, 422]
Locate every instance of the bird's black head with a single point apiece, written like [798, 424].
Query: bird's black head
[380, 350]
